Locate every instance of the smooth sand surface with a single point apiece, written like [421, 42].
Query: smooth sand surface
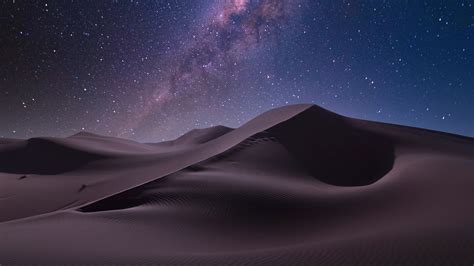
[298, 185]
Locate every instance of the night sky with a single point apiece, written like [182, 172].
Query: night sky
[152, 70]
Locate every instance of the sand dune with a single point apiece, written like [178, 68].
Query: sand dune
[297, 185]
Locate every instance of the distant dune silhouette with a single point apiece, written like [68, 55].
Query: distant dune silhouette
[298, 185]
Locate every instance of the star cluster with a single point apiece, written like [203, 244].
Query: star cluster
[152, 70]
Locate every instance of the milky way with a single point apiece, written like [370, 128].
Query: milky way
[232, 31]
[153, 70]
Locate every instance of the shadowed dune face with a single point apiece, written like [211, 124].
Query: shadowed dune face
[333, 151]
[295, 186]
[42, 157]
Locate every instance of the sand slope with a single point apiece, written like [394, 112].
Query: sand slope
[295, 186]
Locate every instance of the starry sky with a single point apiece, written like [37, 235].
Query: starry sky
[153, 70]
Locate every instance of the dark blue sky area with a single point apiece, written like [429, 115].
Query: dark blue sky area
[152, 70]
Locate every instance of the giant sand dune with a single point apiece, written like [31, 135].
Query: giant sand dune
[298, 185]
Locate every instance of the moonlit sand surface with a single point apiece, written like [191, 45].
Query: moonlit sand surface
[297, 185]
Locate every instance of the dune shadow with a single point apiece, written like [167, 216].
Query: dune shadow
[334, 151]
[42, 157]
